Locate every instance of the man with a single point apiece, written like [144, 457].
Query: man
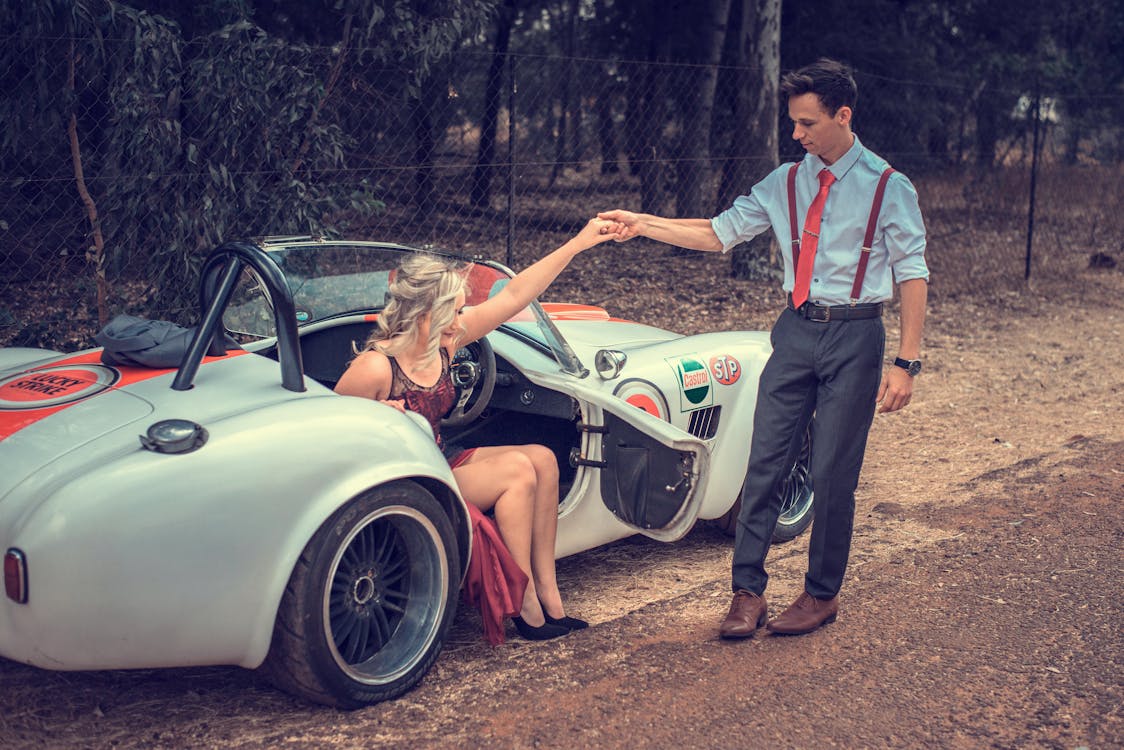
[828, 342]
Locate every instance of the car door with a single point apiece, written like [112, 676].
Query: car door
[652, 474]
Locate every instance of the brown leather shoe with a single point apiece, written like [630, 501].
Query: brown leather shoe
[805, 615]
[748, 612]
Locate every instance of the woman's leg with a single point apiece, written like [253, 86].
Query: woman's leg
[503, 480]
[544, 530]
[544, 525]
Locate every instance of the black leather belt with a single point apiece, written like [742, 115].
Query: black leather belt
[827, 313]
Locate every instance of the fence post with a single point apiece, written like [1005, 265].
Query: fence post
[510, 156]
[1033, 180]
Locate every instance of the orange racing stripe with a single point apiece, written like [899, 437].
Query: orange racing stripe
[37, 393]
[573, 311]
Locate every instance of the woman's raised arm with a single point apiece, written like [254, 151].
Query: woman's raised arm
[528, 284]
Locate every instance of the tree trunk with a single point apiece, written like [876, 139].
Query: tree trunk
[562, 144]
[753, 151]
[649, 167]
[606, 129]
[987, 128]
[1075, 126]
[481, 194]
[424, 197]
[693, 196]
[938, 148]
[648, 111]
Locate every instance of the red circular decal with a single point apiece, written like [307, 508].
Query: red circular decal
[725, 369]
[54, 386]
[645, 403]
[644, 396]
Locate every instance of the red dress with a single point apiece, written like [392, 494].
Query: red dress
[432, 402]
[494, 582]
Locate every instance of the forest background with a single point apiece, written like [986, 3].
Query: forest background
[136, 136]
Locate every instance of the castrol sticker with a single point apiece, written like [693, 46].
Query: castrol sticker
[725, 369]
[55, 386]
[695, 391]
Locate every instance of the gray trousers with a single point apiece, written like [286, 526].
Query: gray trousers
[831, 370]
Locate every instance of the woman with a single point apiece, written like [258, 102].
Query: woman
[405, 364]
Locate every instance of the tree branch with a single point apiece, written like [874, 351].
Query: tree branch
[333, 78]
[87, 199]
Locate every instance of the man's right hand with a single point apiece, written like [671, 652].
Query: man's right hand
[695, 234]
[626, 224]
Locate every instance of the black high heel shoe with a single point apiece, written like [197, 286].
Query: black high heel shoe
[543, 632]
[570, 623]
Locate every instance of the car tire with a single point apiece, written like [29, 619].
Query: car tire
[796, 499]
[369, 602]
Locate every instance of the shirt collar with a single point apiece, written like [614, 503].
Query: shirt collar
[842, 165]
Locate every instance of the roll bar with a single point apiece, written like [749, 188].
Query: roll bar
[217, 280]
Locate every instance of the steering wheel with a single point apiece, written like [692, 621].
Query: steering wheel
[474, 375]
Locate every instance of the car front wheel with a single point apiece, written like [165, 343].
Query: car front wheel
[368, 605]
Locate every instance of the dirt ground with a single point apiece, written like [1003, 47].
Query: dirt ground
[980, 610]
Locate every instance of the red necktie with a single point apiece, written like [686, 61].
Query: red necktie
[809, 241]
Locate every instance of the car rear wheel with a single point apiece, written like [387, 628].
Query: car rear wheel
[369, 602]
[796, 499]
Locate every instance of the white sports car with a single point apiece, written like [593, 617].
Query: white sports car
[234, 510]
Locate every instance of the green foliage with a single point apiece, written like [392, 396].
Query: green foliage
[240, 170]
[186, 143]
[216, 119]
[35, 97]
[413, 34]
[973, 61]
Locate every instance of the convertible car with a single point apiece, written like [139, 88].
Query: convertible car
[234, 510]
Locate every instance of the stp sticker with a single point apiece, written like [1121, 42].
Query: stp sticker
[55, 386]
[694, 382]
[644, 396]
[725, 369]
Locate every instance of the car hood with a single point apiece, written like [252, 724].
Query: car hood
[646, 347]
[613, 334]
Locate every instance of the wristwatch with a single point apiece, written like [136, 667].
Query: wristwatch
[912, 366]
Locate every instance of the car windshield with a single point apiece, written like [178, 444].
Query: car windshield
[329, 279]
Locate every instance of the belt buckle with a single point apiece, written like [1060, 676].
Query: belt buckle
[814, 313]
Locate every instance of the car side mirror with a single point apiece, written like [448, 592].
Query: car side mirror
[609, 363]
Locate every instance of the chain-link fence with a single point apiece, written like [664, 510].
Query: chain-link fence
[111, 207]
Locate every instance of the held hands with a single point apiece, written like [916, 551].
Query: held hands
[895, 391]
[595, 232]
[397, 403]
[625, 224]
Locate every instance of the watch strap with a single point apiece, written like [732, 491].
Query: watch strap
[912, 366]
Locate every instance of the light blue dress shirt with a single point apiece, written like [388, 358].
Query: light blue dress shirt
[897, 253]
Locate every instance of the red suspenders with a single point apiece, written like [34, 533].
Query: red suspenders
[794, 231]
[871, 225]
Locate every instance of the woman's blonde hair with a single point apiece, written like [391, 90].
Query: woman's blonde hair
[422, 284]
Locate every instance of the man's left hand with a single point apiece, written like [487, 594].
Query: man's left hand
[896, 389]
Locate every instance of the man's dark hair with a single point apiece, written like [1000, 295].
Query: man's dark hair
[830, 80]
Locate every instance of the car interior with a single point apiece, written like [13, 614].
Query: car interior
[518, 411]
[330, 280]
